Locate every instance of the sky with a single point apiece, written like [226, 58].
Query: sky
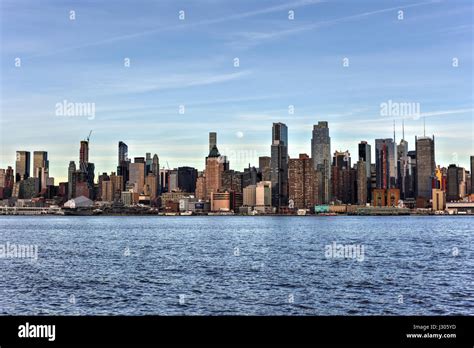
[335, 61]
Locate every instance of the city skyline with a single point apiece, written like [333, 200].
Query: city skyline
[120, 153]
[296, 70]
[244, 154]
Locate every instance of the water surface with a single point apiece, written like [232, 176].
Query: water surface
[238, 266]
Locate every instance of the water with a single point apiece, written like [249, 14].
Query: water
[238, 266]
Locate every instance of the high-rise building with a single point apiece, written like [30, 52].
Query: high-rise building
[70, 182]
[42, 174]
[84, 152]
[155, 170]
[263, 195]
[122, 152]
[404, 172]
[117, 183]
[123, 162]
[28, 188]
[103, 178]
[425, 166]
[462, 177]
[232, 181]
[343, 178]
[249, 176]
[137, 175]
[385, 163]
[264, 168]
[87, 169]
[187, 177]
[365, 154]
[173, 180]
[472, 174]
[438, 199]
[2, 177]
[362, 182]
[106, 191]
[279, 165]
[7, 181]
[454, 183]
[22, 165]
[40, 160]
[155, 166]
[411, 187]
[110, 187]
[249, 196]
[151, 187]
[212, 140]
[321, 155]
[148, 163]
[201, 190]
[164, 180]
[302, 182]
[214, 169]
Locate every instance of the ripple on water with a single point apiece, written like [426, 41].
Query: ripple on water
[280, 258]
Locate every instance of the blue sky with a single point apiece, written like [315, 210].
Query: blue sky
[282, 62]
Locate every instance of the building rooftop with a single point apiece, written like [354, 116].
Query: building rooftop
[214, 152]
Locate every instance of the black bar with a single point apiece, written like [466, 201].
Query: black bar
[222, 331]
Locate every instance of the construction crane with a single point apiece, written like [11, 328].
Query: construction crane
[89, 135]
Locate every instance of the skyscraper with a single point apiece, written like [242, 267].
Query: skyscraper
[70, 181]
[137, 175]
[40, 160]
[425, 166]
[22, 165]
[148, 163]
[343, 178]
[122, 152]
[302, 182]
[362, 182]
[214, 169]
[7, 181]
[123, 163]
[84, 152]
[212, 140]
[472, 174]
[187, 177]
[279, 165]
[155, 170]
[321, 155]
[264, 168]
[403, 169]
[453, 181]
[365, 154]
[385, 163]
[87, 168]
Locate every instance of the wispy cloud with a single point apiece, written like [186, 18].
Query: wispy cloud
[181, 26]
[177, 81]
[247, 39]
